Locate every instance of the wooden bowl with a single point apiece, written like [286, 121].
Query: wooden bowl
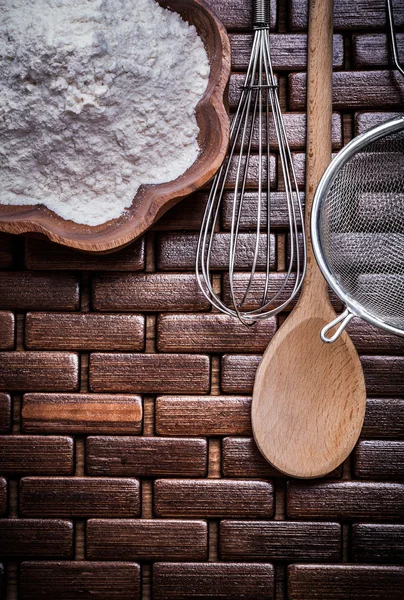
[151, 201]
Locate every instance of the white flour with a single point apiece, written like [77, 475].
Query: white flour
[96, 98]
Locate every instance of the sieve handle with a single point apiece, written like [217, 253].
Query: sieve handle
[343, 319]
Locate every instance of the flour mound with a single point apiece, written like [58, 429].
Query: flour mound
[96, 98]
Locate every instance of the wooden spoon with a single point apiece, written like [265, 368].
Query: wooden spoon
[309, 397]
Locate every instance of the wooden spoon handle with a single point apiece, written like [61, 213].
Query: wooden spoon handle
[319, 120]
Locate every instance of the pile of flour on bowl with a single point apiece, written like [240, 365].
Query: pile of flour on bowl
[96, 98]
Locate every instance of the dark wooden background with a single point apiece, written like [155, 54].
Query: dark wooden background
[128, 468]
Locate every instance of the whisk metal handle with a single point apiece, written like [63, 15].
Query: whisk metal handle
[344, 318]
[261, 13]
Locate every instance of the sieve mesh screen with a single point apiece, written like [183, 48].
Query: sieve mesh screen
[361, 229]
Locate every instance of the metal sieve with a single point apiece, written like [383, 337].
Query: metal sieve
[357, 228]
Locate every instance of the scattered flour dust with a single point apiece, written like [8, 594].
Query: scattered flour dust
[96, 98]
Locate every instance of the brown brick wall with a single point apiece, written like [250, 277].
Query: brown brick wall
[127, 466]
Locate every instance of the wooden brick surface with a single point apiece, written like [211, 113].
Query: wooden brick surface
[23, 290]
[5, 413]
[366, 120]
[280, 540]
[39, 371]
[373, 49]
[146, 539]
[384, 375]
[81, 413]
[6, 251]
[373, 542]
[348, 14]
[241, 458]
[288, 51]
[3, 495]
[147, 292]
[36, 537]
[46, 255]
[354, 89]
[384, 418]
[338, 582]
[370, 339]
[151, 373]
[6, 330]
[218, 415]
[146, 456]
[72, 580]
[379, 459]
[213, 498]
[212, 333]
[59, 331]
[79, 497]
[345, 500]
[187, 214]
[208, 580]
[178, 251]
[238, 373]
[36, 454]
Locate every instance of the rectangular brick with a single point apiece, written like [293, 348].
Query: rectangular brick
[345, 500]
[212, 333]
[5, 413]
[276, 282]
[39, 371]
[218, 415]
[384, 418]
[237, 14]
[36, 454]
[248, 219]
[81, 413]
[369, 339]
[377, 543]
[85, 331]
[146, 539]
[187, 214]
[379, 459]
[3, 495]
[42, 254]
[265, 540]
[146, 456]
[348, 14]
[79, 579]
[23, 290]
[213, 498]
[241, 458]
[288, 51]
[384, 375]
[148, 292]
[6, 330]
[238, 373]
[373, 50]
[339, 582]
[149, 373]
[79, 497]
[229, 581]
[354, 89]
[36, 537]
[366, 120]
[178, 251]
[6, 251]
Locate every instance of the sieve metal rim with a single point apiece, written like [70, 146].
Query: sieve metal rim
[354, 309]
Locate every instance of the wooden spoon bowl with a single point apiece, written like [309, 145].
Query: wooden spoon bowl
[151, 201]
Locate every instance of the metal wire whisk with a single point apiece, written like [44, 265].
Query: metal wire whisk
[248, 163]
